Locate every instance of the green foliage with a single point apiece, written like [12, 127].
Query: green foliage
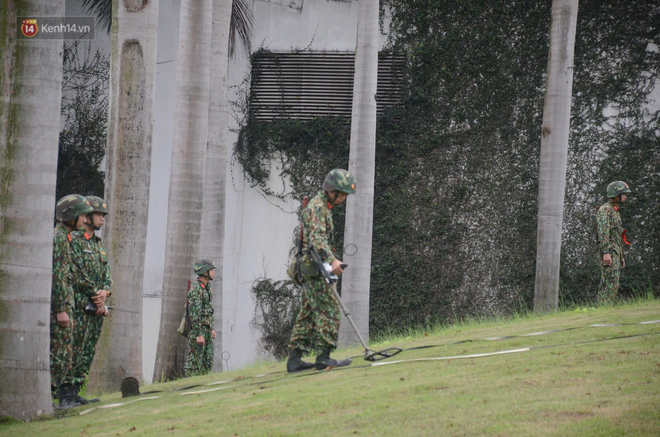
[101, 10]
[276, 309]
[85, 114]
[457, 165]
[455, 210]
[241, 24]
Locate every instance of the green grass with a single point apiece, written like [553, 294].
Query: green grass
[584, 382]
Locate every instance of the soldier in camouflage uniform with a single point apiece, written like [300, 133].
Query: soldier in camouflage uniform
[317, 325]
[70, 214]
[611, 237]
[200, 311]
[91, 278]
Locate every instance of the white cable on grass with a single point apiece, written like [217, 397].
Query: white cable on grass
[203, 391]
[456, 357]
[118, 404]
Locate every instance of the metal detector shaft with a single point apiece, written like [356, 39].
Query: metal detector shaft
[331, 279]
[369, 354]
[348, 315]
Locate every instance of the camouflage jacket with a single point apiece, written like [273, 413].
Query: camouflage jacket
[318, 226]
[610, 230]
[89, 269]
[200, 308]
[61, 297]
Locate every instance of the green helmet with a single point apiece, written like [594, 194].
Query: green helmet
[98, 204]
[70, 207]
[339, 180]
[616, 188]
[203, 265]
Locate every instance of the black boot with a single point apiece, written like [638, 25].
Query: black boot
[66, 398]
[82, 400]
[295, 362]
[324, 362]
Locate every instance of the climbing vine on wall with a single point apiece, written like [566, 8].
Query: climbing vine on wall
[277, 305]
[457, 161]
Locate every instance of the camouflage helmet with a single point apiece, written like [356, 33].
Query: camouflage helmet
[98, 204]
[71, 206]
[339, 180]
[203, 265]
[616, 188]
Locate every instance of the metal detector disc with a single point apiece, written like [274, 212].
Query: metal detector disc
[382, 355]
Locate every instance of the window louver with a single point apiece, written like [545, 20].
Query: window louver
[314, 84]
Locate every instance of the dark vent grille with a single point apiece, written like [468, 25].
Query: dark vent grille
[308, 85]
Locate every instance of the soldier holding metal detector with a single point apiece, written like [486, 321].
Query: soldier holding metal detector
[317, 325]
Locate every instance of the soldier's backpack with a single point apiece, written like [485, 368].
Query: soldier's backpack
[294, 271]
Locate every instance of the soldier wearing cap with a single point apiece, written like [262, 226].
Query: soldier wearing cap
[70, 214]
[200, 311]
[317, 325]
[92, 282]
[611, 238]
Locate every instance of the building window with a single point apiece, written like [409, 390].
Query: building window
[306, 85]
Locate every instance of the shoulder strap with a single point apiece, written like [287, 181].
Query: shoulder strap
[187, 301]
[302, 234]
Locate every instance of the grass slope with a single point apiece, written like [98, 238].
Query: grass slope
[585, 381]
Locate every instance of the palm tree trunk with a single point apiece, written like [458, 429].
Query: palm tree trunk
[130, 125]
[213, 213]
[554, 151]
[362, 159]
[31, 91]
[186, 179]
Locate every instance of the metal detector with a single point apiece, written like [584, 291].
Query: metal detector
[331, 279]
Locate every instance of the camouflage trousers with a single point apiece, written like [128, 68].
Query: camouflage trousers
[609, 280]
[61, 341]
[200, 358]
[317, 325]
[86, 333]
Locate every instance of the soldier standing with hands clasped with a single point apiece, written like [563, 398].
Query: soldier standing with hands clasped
[70, 214]
[200, 311]
[91, 278]
[611, 238]
[317, 325]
